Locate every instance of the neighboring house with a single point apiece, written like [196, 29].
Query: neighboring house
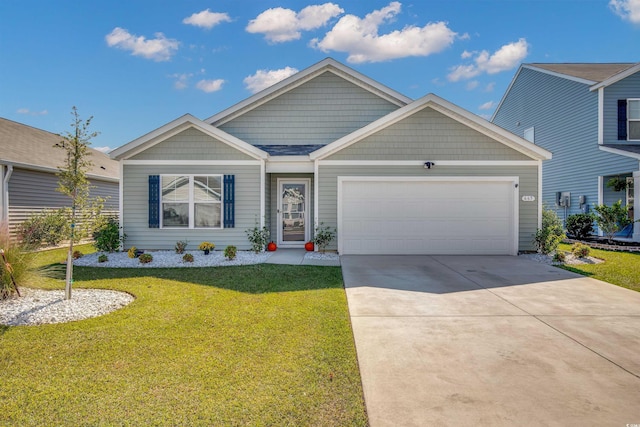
[330, 145]
[28, 165]
[588, 116]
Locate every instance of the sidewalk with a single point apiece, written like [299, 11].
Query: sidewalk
[302, 257]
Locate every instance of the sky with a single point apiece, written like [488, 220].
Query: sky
[136, 65]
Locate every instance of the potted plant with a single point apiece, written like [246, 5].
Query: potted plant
[272, 246]
[309, 246]
[206, 247]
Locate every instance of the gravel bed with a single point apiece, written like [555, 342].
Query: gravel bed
[172, 259]
[39, 306]
[328, 256]
[570, 259]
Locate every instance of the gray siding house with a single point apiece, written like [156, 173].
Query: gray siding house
[28, 165]
[588, 116]
[331, 146]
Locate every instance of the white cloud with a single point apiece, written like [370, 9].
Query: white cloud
[182, 80]
[102, 149]
[159, 49]
[626, 9]
[206, 19]
[32, 113]
[466, 54]
[360, 39]
[487, 105]
[472, 84]
[209, 86]
[262, 79]
[281, 25]
[505, 58]
[490, 87]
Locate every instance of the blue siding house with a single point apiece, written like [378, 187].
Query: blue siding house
[588, 116]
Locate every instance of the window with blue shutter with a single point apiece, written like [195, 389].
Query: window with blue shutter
[622, 119]
[154, 201]
[229, 201]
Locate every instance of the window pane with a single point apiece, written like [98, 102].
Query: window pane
[207, 215]
[634, 109]
[175, 188]
[634, 130]
[175, 215]
[207, 188]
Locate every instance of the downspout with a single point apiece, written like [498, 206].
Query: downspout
[6, 176]
[263, 173]
[316, 198]
[636, 204]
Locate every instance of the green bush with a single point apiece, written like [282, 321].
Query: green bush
[230, 252]
[145, 258]
[103, 258]
[551, 234]
[612, 219]
[580, 225]
[50, 227]
[580, 250]
[258, 237]
[181, 245]
[559, 257]
[187, 257]
[20, 261]
[323, 236]
[107, 237]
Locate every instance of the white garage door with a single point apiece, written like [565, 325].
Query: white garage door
[473, 216]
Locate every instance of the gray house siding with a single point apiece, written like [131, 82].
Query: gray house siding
[191, 144]
[428, 135]
[135, 213]
[317, 112]
[564, 115]
[623, 89]
[273, 199]
[528, 176]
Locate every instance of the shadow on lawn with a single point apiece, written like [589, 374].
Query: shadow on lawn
[257, 278]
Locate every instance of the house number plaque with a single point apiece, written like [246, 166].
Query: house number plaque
[528, 198]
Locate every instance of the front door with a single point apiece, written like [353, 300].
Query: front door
[293, 212]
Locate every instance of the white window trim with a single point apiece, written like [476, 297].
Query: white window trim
[629, 119]
[191, 201]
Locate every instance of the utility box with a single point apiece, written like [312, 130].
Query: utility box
[563, 199]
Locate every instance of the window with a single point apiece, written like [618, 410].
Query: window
[529, 134]
[633, 119]
[191, 201]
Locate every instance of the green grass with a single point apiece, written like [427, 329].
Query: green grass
[253, 345]
[619, 268]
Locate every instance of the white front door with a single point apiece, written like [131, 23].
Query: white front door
[293, 212]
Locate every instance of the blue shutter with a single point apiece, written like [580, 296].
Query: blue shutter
[622, 119]
[154, 201]
[229, 201]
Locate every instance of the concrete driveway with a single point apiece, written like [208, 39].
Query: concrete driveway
[469, 341]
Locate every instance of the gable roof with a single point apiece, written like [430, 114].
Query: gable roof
[594, 73]
[31, 148]
[178, 125]
[292, 82]
[448, 109]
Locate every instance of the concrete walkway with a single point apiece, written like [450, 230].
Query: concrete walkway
[492, 341]
[302, 257]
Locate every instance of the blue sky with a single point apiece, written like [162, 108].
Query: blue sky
[136, 65]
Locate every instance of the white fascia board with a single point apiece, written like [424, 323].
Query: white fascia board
[620, 152]
[616, 77]
[601, 116]
[47, 169]
[435, 162]
[176, 126]
[290, 165]
[560, 75]
[327, 64]
[448, 109]
[192, 162]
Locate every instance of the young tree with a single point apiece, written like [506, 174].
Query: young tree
[612, 219]
[72, 177]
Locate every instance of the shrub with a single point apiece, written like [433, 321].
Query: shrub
[258, 237]
[19, 259]
[612, 219]
[551, 234]
[131, 253]
[107, 236]
[103, 258]
[187, 257]
[206, 246]
[145, 258]
[323, 236]
[230, 252]
[77, 254]
[50, 227]
[181, 245]
[559, 257]
[580, 250]
[580, 225]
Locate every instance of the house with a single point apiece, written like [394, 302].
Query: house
[28, 165]
[588, 116]
[331, 146]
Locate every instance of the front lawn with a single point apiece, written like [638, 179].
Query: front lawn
[619, 268]
[253, 345]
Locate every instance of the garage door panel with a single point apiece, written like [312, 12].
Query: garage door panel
[427, 217]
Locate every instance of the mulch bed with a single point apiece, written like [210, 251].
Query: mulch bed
[601, 243]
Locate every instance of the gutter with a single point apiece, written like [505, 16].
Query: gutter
[5, 192]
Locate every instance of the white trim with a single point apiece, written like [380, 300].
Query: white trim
[540, 194]
[47, 169]
[327, 64]
[289, 166]
[435, 162]
[5, 176]
[636, 204]
[601, 116]
[121, 204]
[263, 190]
[620, 152]
[617, 77]
[193, 162]
[600, 196]
[316, 197]
[448, 109]
[192, 202]
[307, 207]
[513, 179]
[561, 75]
[629, 120]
